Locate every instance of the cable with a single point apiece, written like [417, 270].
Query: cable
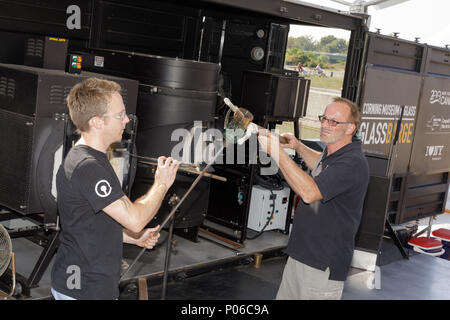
[269, 182]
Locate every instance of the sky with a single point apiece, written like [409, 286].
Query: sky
[427, 19]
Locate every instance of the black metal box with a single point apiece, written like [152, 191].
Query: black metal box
[274, 95]
[46, 52]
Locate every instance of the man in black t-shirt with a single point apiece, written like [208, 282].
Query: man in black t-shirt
[321, 244]
[96, 216]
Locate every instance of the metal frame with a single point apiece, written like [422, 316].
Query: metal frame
[297, 11]
[242, 229]
[26, 284]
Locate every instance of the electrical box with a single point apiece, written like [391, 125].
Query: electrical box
[262, 202]
[46, 52]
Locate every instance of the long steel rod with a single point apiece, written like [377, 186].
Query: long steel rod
[167, 260]
[209, 175]
[155, 160]
[176, 207]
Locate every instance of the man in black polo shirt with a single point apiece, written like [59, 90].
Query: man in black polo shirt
[96, 216]
[321, 244]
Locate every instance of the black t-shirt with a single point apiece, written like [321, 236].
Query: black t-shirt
[88, 262]
[324, 231]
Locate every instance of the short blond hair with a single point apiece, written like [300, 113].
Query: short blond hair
[355, 116]
[88, 99]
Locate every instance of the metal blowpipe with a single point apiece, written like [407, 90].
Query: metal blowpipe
[186, 167]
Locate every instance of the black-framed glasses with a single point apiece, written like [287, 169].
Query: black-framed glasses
[332, 122]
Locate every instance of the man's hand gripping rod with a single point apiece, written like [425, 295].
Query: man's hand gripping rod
[245, 118]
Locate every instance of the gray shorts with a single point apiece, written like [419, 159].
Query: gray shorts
[302, 282]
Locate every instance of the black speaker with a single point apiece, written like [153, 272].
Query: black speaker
[375, 211]
[33, 124]
[274, 94]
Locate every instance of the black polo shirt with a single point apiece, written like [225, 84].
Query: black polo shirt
[88, 262]
[323, 232]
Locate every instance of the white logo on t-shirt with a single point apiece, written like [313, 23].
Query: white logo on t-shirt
[103, 188]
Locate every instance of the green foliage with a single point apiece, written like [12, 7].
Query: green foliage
[308, 59]
[305, 43]
[324, 41]
[336, 46]
[299, 50]
[295, 55]
[323, 60]
[325, 44]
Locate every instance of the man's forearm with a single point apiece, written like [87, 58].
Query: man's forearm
[134, 216]
[148, 205]
[302, 183]
[309, 155]
[129, 236]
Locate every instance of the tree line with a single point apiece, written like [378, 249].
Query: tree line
[301, 49]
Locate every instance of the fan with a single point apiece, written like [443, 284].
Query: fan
[7, 258]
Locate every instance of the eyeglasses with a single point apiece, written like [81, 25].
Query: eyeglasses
[332, 122]
[120, 116]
